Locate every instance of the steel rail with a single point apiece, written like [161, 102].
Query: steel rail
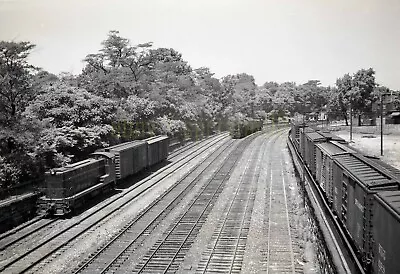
[28, 233]
[205, 268]
[145, 211]
[195, 223]
[175, 166]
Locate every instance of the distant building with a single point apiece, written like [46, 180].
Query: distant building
[391, 107]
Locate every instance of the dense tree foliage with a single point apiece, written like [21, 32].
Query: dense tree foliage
[355, 91]
[15, 80]
[128, 91]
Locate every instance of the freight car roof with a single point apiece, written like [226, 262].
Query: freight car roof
[389, 168]
[125, 146]
[331, 136]
[330, 148]
[315, 136]
[156, 139]
[105, 154]
[308, 129]
[343, 146]
[390, 199]
[364, 172]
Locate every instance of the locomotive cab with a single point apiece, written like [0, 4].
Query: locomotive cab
[109, 164]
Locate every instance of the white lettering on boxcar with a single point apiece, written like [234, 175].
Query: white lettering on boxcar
[382, 252]
[359, 205]
[336, 190]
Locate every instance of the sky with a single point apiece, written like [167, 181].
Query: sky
[273, 40]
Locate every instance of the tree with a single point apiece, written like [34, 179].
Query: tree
[15, 80]
[357, 91]
[117, 68]
[74, 123]
[115, 49]
[361, 94]
[340, 98]
[62, 105]
[311, 97]
[284, 99]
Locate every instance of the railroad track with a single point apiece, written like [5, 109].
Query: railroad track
[187, 147]
[129, 239]
[280, 257]
[20, 227]
[49, 246]
[168, 253]
[39, 223]
[228, 243]
[23, 234]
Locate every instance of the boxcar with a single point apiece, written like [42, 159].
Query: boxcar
[295, 133]
[311, 139]
[302, 140]
[157, 149]
[355, 183]
[386, 232]
[130, 158]
[324, 165]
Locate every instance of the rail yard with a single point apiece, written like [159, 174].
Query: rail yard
[199, 137]
[220, 205]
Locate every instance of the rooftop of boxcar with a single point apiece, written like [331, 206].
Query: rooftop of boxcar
[330, 148]
[297, 122]
[103, 153]
[392, 200]
[343, 146]
[308, 129]
[389, 168]
[314, 136]
[331, 136]
[124, 146]
[156, 139]
[365, 173]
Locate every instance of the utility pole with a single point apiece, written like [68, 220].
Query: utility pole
[351, 122]
[381, 108]
[303, 137]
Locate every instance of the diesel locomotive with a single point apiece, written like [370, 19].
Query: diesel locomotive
[69, 187]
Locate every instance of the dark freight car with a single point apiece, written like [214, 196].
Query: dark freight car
[386, 232]
[311, 139]
[157, 149]
[324, 164]
[302, 140]
[324, 167]
[355, 183]
[130, 158]
[295, 133]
